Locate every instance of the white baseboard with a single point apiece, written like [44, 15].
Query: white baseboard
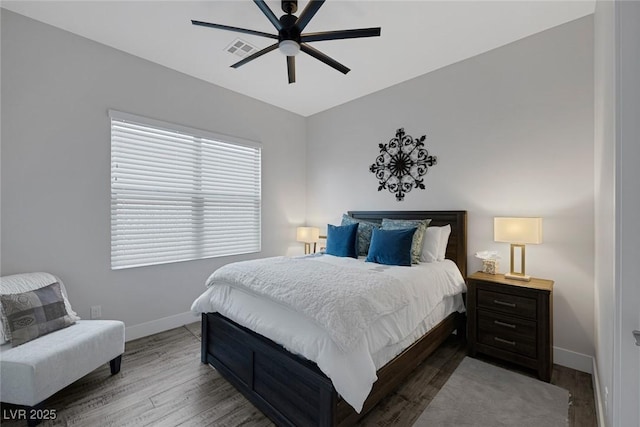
[571, 359]
[160, 325]
[598, 396]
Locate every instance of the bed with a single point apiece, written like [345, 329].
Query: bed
[292, 390]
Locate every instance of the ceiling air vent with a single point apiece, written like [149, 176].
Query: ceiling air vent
[240, 48]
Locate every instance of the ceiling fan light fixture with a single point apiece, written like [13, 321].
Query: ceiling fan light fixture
[289, 47]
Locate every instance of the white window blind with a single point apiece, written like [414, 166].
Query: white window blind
[180, 194]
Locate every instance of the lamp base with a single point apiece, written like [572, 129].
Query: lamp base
[517, 276]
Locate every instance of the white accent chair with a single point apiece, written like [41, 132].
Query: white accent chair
[35, 370]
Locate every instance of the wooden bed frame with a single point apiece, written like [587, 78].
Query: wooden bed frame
[291, 390]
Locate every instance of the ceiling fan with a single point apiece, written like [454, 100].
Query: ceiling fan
[290, 37]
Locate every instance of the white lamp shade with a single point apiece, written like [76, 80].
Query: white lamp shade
[308, 234]
[517, 230]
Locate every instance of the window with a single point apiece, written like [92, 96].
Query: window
[180, 194]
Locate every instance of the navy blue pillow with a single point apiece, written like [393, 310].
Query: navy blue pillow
[391, 247]
[342, 240]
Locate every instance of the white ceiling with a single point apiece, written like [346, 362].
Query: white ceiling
[417, 37]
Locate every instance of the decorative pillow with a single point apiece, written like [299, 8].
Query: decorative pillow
[365, 229]
[419, 225]
[431, 244]
[445, 232]
[35, 313]
[24, 282]
[391, 247]
[341, 240]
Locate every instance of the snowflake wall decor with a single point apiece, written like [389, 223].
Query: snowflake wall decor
[401, 164]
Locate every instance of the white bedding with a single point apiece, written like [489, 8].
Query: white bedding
[317, 291]
[432, 291]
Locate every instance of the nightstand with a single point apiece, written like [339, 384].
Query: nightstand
[511, 320]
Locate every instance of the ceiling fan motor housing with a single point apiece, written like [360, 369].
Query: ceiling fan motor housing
[290, 30]
[289, 6]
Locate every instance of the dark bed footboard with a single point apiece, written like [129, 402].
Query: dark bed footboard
[288, 389]
[291, 390]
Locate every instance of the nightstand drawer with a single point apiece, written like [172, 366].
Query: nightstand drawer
[508, 342]
[507, 327]
[509, 304]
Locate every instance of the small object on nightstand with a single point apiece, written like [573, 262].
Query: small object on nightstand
[323, 245]
[511, 320]
[490, 263]
[490, 266]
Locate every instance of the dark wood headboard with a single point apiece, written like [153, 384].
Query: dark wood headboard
[457, 247]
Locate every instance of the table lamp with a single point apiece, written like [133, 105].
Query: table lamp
[308, 235]
[518, 232]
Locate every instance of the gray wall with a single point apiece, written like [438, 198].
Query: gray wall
[513, 133]
[56, 89]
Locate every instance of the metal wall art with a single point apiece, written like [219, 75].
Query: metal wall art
[401, 164]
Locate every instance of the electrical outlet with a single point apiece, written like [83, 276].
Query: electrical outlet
[606, 400]
[96, 311]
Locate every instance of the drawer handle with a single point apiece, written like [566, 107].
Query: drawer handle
[508, 304]
[504, 341]
[508, 325]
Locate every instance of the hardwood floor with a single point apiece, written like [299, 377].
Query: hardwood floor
[163, 383]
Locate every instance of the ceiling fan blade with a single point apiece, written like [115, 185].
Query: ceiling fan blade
[269, 13]
[255, 55]
[324, 58]
[236, 29]
[343, 34]
[308, 12]
[291, 68]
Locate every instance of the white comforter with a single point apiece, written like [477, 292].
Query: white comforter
[343, 300]
[408, 296]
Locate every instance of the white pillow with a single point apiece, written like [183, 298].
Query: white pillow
[431, 244]
[445, 232]
[19, 283]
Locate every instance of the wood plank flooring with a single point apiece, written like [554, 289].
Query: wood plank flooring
[162, 383]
